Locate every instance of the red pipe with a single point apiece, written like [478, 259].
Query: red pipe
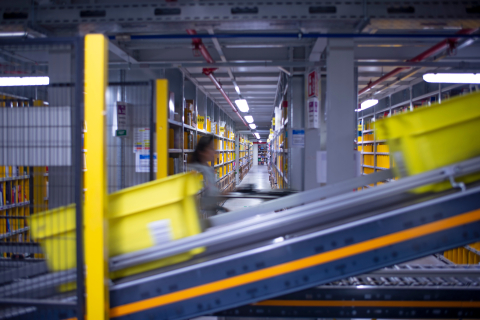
[198, 45]
[224, 94]
[450, 42]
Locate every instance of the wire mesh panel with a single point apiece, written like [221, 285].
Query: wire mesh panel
[41, 184]
[129, 124]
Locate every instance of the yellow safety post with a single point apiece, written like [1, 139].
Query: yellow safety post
[162, 127]
[96, 245]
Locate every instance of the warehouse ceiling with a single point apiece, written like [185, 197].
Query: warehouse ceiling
[137, 32]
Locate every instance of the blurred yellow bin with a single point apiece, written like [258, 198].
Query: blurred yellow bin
[433, 137]
[139, 217]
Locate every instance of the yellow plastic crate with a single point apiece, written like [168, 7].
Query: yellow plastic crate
[433, 137]
[138, 217]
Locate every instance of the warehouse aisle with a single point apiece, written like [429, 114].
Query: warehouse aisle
[258, 175]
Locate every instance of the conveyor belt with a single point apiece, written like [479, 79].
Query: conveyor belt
[336, 251]
[400, 292]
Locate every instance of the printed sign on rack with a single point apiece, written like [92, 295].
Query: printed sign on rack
[298, 138]
[313, 90]
[313, 109]
[200, 122]
[141, 140]
[142, 162]
[121, 120]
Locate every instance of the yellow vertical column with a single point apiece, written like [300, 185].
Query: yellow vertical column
[96, 225]
[161, 89]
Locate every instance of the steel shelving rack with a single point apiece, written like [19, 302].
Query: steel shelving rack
[375, 152]
[18, 195]
[245, 154]
[205, 118]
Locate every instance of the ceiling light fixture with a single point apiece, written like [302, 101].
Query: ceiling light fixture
[257, 135]
[24, 81]
[242, 105]
[467, 78]
[13, 34]
[252, 126]
[238, 90]
[249, 119]
[367, 104]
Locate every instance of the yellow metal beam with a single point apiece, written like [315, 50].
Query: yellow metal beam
[96, 225]
[161, 87]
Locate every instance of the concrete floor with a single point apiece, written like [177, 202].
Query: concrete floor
[258, 175]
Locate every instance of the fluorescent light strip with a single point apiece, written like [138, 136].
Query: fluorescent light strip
[367, 104]
[242, 105]
[257, 135]
[252, 125]
[249, 119]
[467, 78]
[24, 81]
[13, 34]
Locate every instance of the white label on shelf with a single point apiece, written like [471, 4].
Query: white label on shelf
[321, 166]
[298, 138]
[161, 231]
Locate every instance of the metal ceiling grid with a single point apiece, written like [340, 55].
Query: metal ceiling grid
[200, 11]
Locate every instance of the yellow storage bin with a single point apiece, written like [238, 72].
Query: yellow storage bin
[139, 217]
[433, 137]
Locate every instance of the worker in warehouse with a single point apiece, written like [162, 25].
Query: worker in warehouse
[203, 154]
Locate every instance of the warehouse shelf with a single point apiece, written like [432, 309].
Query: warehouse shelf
[175, 123]
[189, 127]
[14, 233]
[22, 177]
[15, 205]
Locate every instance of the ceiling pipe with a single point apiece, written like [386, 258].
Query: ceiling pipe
[199, 46]
[417, 70]
[445, 44]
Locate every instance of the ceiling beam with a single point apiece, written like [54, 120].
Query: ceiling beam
[122, 54]
[274, 63]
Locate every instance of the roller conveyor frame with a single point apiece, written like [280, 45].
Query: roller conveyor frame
[359, 246]
[438, 293]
